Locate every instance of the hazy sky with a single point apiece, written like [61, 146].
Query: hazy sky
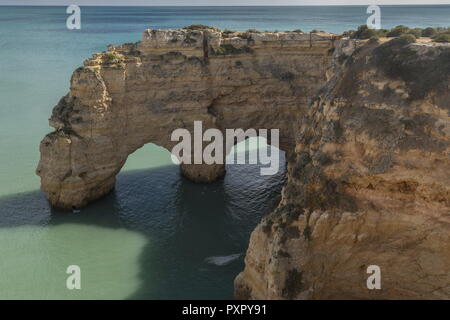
[218, 2]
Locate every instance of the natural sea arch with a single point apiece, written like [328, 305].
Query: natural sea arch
[136, 94]
[152, 210]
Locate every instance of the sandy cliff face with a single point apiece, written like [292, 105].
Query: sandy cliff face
[139, 93]
[369, 185]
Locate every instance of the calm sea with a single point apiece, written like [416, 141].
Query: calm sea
[157, 235]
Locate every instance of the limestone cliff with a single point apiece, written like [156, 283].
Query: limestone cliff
[369, 185]
[139, 93]
[366, 126]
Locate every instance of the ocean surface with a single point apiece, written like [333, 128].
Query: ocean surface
[157, 235]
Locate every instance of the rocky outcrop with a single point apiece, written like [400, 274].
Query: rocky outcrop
[366, 127]
[139, 93]
[369, 184]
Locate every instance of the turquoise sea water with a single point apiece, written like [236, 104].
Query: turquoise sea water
[155, 235]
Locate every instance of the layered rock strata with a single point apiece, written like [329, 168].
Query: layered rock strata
[139, 93]
[369, 185]
[366, 126]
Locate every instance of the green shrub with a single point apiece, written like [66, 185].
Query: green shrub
[407, 39]
[416, 32]
[364, 32]
[429, 32]
[228, 33]
[297, 31]
[374, 39]
[443, 37]
[382, 32]
[398, 31]
[112, 57]
[199, 27]
[253, 31]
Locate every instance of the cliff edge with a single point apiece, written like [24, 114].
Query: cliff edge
[369, 185]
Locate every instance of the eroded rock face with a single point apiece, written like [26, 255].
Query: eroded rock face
[368, 153]
[369, 184]
[139, 93]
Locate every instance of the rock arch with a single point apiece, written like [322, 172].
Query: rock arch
[139, 93]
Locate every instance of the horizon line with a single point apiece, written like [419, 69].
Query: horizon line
[265, 5]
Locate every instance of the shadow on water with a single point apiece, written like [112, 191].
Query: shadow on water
[183, 224]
